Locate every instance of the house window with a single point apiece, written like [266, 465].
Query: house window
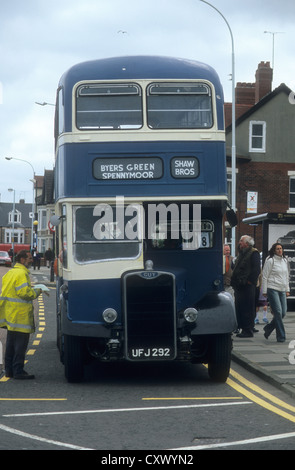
[17, 217]
[18, 237]
[292, 193]
[257, 132]
[43, 219]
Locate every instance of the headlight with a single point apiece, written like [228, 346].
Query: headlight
[190, 314]
[109, 315]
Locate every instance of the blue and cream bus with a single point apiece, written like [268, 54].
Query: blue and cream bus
[141, 195]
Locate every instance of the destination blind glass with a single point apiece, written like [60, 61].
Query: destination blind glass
[184, 167]
[128, 168]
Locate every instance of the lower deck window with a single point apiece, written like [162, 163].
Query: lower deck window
[105, 232]
[182, 236]
[87, 252]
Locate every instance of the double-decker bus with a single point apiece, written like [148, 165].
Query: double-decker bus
[141, 194]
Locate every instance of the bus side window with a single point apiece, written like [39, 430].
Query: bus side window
[64, 239]
[59, 115]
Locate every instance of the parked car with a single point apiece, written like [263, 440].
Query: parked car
[288, 240]
[5, 258]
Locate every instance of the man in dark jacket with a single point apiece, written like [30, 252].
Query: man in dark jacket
[244, 280]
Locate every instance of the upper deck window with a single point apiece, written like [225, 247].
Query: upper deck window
[179, 106]
[108, 106]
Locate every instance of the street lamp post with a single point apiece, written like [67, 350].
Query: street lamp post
[273, 46]
[233, 149]
[33, 201]
[13, 217]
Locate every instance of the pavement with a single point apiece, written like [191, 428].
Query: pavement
[268, 359]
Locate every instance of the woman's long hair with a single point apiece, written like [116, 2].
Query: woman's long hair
[271, 252]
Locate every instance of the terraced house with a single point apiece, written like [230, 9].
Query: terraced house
[265, 143]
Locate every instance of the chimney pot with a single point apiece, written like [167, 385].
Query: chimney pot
[263, 80]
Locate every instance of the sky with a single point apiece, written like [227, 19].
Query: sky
[40, 40]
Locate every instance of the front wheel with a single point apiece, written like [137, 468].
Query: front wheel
[220, 357]
[73, 358]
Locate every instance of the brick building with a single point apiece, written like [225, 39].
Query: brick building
[265, 148]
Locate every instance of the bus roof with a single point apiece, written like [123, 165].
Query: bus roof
[141, 67]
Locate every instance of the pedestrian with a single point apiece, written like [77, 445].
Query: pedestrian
[261, 301]
[244, 280]
[36, 259]
[49, 256]
[17, 314]
[275, 285]
[227, 269]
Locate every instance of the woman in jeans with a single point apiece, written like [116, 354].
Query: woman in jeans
[275, 285]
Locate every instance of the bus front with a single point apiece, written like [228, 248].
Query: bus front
[141, 196]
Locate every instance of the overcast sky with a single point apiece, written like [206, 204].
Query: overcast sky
[41, 39]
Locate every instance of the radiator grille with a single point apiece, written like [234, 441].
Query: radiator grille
[149, 304]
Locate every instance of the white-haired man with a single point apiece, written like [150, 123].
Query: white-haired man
[244, 280]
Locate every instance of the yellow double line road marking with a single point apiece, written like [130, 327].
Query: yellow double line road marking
[252, 392]
[41, 325]
[272, 399]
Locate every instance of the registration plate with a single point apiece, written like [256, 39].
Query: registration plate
[150, 353]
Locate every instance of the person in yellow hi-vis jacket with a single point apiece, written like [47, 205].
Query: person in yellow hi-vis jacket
[17, 314]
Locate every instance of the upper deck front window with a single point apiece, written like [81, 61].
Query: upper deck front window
[179, 106]
[108, 106]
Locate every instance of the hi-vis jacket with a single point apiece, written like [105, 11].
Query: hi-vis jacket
[16, 300]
